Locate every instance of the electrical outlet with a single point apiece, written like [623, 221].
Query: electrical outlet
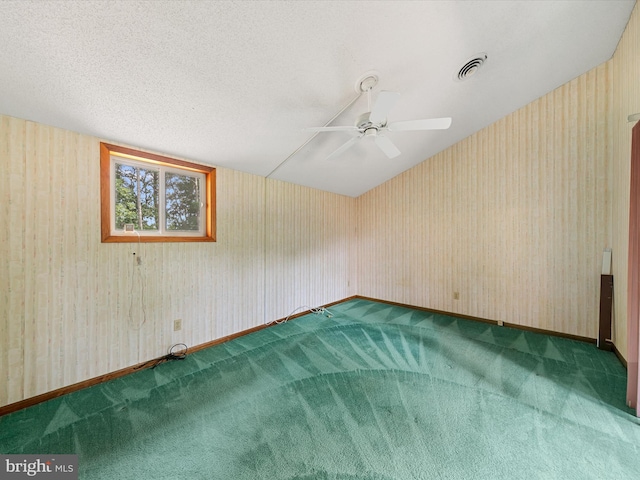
[177, 325]
[500, 323]
[456, 295]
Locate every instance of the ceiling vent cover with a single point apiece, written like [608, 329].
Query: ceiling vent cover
[472, 66]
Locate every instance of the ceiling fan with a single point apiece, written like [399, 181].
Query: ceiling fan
[374, 122]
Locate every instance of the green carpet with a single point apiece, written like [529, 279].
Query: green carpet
[376, 392]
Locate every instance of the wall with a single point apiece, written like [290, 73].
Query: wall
[626, 101]
[70, 306]
[514, 218]
[310, 248]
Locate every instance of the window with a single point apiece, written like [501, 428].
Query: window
[160, 198]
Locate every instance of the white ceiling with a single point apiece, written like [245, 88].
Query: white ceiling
[233, 83]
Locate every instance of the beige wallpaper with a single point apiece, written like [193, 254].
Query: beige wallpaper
[513, 218]
[72, 308]
[310, 248]
[626, 101]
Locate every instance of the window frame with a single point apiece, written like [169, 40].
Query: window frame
[107, 195]
[162, 172]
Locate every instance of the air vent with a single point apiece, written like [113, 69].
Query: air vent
[472, 66]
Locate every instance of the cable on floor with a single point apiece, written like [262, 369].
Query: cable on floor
[175, 353]
[317, 310]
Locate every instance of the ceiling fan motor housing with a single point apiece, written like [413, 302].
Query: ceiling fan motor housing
[363, 123]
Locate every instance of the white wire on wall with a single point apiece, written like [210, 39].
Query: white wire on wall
[139, 281]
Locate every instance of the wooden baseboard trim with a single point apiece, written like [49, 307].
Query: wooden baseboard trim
[485, 320]
[579, 338]
[28, 402]
[233, 336]
[623, 360]
[43, 397]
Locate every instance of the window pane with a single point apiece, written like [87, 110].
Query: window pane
[137, 197]
[182, 194]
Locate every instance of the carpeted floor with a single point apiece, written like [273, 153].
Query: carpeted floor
[376, 392]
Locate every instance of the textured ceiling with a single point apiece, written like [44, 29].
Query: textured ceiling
[233, 84]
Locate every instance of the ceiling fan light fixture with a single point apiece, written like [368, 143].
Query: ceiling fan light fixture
[471, 66]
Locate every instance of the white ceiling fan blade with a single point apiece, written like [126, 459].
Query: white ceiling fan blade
[426, 124]
[344, 147]
[381, 108]
[387, 146]
[331, 129]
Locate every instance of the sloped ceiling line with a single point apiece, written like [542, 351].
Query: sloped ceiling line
[342, 110]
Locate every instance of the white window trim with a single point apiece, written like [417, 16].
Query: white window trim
[162, 170]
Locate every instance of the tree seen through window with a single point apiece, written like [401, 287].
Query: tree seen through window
[137, 197]
[182, 200]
